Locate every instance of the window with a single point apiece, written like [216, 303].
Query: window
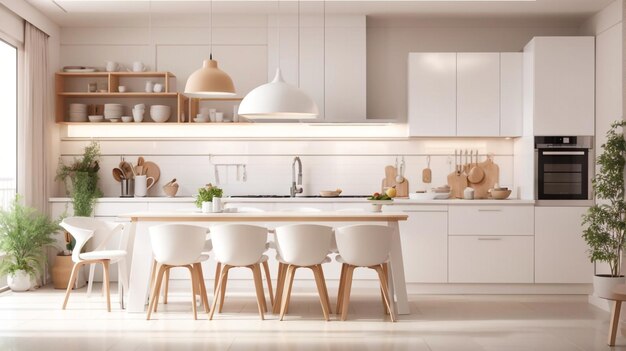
[8, 123]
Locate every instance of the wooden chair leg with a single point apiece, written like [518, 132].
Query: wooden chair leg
[617, 307]
[327, 297]
[382, 290]
[106, 282]
[218, 290]
[291, 270]
[266, 268]
[218, 271]
[202, 287]
[385, 289]
[345, 300]
[156, 290]
[223, 288]
[320, 290]
[258, 284]
[166, 288]
[154, 272]
[70, 284]
[194, 287]
[342, 281]
[280, 282]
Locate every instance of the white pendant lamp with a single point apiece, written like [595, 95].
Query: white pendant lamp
[277, 99]
[209, 81]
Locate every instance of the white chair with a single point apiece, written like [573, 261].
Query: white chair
[302, 246]
[179, 245]
[363, 246]
[83, 229]
[240, 245]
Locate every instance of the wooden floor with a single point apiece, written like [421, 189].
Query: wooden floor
[35, 321]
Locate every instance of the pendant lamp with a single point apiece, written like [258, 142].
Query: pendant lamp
[209, 81]
[277, 99]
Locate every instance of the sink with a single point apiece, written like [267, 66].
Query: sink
[287, 196]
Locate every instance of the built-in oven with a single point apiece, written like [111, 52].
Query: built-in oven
[564, 167]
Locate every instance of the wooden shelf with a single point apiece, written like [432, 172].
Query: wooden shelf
[118, 95]
[115, 123]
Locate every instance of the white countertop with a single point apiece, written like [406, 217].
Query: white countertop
[303, 200]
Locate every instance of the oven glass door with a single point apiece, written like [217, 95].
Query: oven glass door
[563, 174]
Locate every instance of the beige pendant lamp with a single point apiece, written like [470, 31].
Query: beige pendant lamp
[209, 81]
[278, 99]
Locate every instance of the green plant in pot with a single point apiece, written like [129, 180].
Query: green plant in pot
[605, 229]
[82, 175]
[204, 198]
[24, 232]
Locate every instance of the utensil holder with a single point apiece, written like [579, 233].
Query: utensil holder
[126, 188]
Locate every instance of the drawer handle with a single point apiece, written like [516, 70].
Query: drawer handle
[489, 239]
[488, 210]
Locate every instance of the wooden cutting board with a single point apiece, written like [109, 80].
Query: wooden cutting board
[402, 189]
[152, 170]
[457, 181]
[492, 176]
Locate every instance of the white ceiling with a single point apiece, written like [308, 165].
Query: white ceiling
[124, 12]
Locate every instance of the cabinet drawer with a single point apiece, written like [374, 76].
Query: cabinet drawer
[491, 259]
[104, 209]
[491, 220]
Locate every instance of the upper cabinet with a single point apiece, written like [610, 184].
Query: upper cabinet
[559, 86]
[465, 94]
[326, 59]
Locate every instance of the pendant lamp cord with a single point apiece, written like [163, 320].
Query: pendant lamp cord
[211, 30]
[150, 43]
[278, 46]
[298, 43]
[324, 55]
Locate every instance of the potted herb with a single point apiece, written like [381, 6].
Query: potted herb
[24, 232]
[83, 176]
[605, 230]
[205, 197]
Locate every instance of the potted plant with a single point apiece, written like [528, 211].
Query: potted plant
[205, 197]
[605, 230]
[24, 232]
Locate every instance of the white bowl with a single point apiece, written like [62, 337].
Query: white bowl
[114, 120]
[422, 196]
[96, 118]
[200, 120]
[160, 113]
[127, 119]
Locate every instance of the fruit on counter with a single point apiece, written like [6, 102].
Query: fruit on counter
[379, 197]
[391, 192]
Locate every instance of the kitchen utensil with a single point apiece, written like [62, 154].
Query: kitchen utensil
[492, 177]
[143, 184]
[140, 161]
[96, 118]
[158, 87]
[500, 194]
[330, 193]
[127, 119]
[149, 86]
[217, 205]
[160, 113]
[476, 174]
[121, 88]
[170, 189]
[118, 174]
[427, 173]
[152, 170]
[127, 169]
[400, 174]
[171, 182]
[402, 189]
[468, 193]
[111, 66]
[138, 66]
[457, 180]
[132, 168]
[126, 186]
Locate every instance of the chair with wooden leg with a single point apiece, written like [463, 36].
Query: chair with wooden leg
[619, 295]
[302, 246]
[239, 245]
[179, 245]
[83, 229]
[363, 246]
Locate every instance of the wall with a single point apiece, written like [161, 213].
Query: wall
[607, 26]
[390, 40]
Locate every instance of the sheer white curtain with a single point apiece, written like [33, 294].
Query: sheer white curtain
[34, 121]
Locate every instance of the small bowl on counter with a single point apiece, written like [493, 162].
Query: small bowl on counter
[500, 194]
[330, 193]
[422, 196]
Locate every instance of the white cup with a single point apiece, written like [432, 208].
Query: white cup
[149, 86]
[212, 113]
[236, 113]
[138, 115]
[217, 204]
[121, 88]
[219, 117]
[112, 66]
[140, 107]
[158, 87]
[207, 207]
[138, 66]
[143, 183]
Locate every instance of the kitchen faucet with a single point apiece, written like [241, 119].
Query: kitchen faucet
[294, 186]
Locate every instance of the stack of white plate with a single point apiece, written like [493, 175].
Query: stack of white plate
[78, 113]
[113, 111]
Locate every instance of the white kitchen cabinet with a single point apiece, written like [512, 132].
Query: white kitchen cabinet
[511, 93]
[478, 94]
[424, 238]
[490, 259]
[560, 250]
[491, 220]
[560, 91]
[432, 94]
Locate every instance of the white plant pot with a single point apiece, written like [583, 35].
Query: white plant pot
[19, 281]
[603, 285]
[207, 207]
